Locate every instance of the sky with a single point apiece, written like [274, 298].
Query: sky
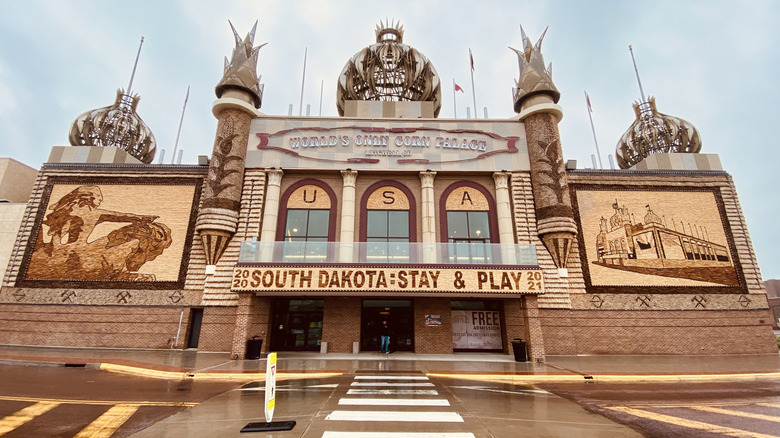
[714, 63]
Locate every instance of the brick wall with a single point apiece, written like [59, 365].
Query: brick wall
[91, 326]
[216, 332]
[657, 332]
[436, 339]
[341, 323]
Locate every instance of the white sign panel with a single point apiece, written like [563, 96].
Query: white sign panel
[476, 330]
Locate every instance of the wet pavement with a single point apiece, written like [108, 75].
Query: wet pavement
[375, 395]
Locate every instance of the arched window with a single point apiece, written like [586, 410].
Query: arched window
[470, 223]
[387, 223]
[306, 222]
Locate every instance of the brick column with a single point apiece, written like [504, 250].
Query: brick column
[241, 327]
[533, 329]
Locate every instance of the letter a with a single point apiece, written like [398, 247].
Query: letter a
[465, 198]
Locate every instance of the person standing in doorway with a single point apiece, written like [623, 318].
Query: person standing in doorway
[384, 333]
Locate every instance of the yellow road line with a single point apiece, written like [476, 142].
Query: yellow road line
[691, 424]
[736, 413]
[22, 416]
[94, 402]
[105, 425]
[768, 405]
[231, 377]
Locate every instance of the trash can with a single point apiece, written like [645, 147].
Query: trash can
[518, 347]
[253, 347]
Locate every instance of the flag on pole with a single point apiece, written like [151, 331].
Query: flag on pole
[457, 88]
[471, 58]
[587, 99]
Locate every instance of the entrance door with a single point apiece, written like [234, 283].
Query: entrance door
[196, 318]
[297, 325]
[400, 317]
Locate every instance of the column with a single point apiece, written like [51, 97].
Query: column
[270, 213]
[428, 217]
[506, 233]
[347, 236]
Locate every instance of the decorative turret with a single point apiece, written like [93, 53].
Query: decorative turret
[241, 71]
[535, 100]
[653, 132]
[534, 77]
[116, 125]
[389, 71]
[239, 94]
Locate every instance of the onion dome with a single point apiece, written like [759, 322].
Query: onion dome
[389, 71]
[652, 218]
[535, 78]
[653, 132]
[241, 71]
[116, 125]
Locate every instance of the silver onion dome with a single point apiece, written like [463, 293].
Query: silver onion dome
[116, 125]
[653, 132]
[389, 71]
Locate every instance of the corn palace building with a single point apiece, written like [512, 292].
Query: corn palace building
[308, 232]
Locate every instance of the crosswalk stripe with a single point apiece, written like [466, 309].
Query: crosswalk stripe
[22, 416]
[391, 378]
[392, 392]
[394, 384]
[736, 413]
[105, 425]
[329, 434]
[712, 428]
[395, 416]
[393, 402]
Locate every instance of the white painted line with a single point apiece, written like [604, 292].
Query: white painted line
[392, 392]
[395, 416]
[393, 402]
[391, 378]
[393, 384]
[329, 434]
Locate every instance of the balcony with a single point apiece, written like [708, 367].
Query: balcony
[374, 253]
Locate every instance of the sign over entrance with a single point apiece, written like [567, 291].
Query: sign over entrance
[406, 279]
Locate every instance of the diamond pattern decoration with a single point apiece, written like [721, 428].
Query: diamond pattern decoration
[744, 301]
[176, 296]
[597, 301]
[699, 301]
[68, 295]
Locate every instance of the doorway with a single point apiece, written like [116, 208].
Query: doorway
[297, 325]
[196, 319]
[400, 317]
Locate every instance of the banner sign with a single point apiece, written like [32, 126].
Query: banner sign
[330, 279]
[476, 330]
[270, 387]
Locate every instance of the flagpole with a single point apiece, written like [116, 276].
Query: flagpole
[303, 81]
[641, 91]
[592, 128]
[473, 93]
[454, 104]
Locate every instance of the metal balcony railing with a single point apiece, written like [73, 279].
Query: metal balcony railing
[371, 253]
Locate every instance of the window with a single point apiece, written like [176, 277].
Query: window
[307, 225]
[387, 236]
[468, 225]
[388, 225]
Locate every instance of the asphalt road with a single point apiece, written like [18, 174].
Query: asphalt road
[58, 401]
[55, 401]
[684, 410]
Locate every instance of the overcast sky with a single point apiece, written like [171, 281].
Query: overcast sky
[713, 63]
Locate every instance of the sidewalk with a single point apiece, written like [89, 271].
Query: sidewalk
[178, 364]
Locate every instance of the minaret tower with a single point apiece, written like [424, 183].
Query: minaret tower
[536, 101]
[239, 94]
